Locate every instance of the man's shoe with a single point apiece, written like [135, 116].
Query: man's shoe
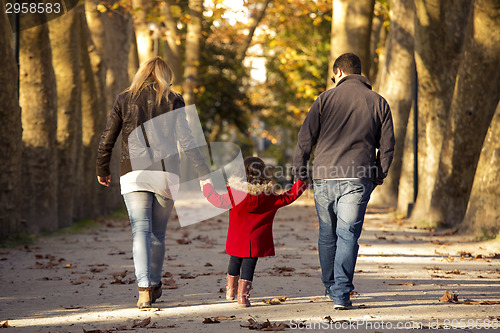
[342, 306]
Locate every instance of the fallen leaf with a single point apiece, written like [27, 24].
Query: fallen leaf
[208, 264]
[313, 299]
[188, 276]
[71, 307]
[447, 297]
[282, 271]
[403, 284]
[224, 317]
[169, 284]
[92, 331]
[210, 321]
[5, 324]
[265, 326]
[274, 301]
[143, 323]
[440, 276]
[155, 325]
[119, 274]
[455, 271]
[184, 241]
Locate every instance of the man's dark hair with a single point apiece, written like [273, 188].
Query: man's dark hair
[349, 63]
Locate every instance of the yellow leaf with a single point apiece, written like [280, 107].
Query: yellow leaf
[101, 8]
[175, 10]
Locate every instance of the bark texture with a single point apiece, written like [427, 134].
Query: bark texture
[395, 85]
[64, 38]
[10, 134]
[482, 218]
[439, 33]
[474, 101]
[190, 84]
[110, 35]
[351, 32]
[38, 100]
[142, 31]
[173, 50]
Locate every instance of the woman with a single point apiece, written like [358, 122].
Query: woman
[148, 189]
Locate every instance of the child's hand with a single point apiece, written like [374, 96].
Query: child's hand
[206, 181]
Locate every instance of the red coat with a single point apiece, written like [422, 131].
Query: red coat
[250, 232]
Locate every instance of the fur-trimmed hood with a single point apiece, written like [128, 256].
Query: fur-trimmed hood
[240, 184]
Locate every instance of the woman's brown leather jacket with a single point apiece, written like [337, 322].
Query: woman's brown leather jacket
[129, 114]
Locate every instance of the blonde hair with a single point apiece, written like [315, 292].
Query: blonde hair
[155, 73]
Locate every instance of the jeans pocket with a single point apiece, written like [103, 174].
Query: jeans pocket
[357, 191]
[321, 192]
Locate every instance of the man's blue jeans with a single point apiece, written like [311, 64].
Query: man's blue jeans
[149, 214]
[341, 206]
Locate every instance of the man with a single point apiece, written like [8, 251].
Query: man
[351, 128]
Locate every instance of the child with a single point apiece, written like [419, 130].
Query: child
[250, 232]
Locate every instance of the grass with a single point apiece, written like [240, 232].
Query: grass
[20, 239]
[77, 227]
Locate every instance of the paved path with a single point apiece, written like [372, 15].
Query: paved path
[85, 282]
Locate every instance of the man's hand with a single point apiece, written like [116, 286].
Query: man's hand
[104, 180]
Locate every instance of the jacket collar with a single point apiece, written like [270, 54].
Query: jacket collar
[240, 184]
[355, 78]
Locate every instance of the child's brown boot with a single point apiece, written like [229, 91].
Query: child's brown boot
[244, 288]
[144, 300]
[232, 284]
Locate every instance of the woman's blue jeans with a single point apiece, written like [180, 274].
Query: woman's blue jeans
[341, 207]
[149, 214]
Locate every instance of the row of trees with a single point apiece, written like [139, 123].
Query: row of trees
[454, 47]
[72, 68]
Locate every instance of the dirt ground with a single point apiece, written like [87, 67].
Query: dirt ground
[85, 282]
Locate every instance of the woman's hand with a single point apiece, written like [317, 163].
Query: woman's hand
[104, 180]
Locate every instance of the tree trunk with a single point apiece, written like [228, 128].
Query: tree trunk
[396, 83]
[482, 218]
[242, 50]
[107, 198]
[93, 116]
[133, 58]
[145, 45]
[111, 34]
[10, 135]
[378, 42]
[172, 43]
[405, 188]
[474, 101]
[436, 57]
[64, 39]
[351, 32]
[190, 86]
[38, 100]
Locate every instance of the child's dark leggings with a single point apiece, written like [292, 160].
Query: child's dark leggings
[245, 265]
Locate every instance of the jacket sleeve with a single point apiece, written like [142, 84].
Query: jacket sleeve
[306, 140]
[386, 145]
[288, 197]
[218, 200]
[108, 139]
[187, 141]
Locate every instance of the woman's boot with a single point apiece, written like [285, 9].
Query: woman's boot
[232, 284]
[145, 294]
[156, 292]
[244, 288]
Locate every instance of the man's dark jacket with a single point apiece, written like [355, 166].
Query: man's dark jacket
[347, 124]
